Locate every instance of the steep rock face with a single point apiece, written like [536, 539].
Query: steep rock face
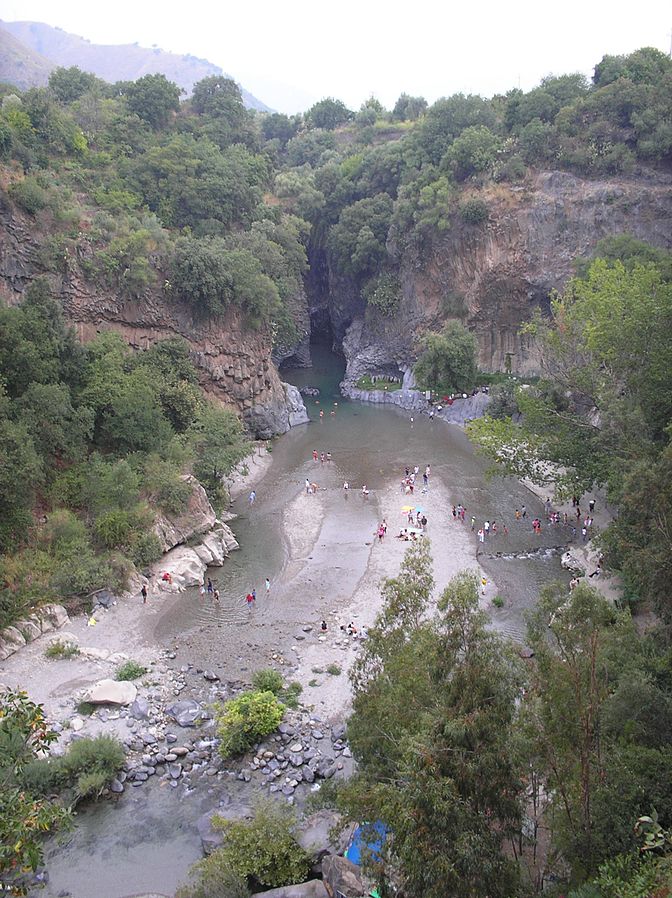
[234, 363]
[493, 276]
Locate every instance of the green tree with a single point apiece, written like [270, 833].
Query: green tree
[408, 108]
[21, 474]
[23, 819]
[357, 242]
[474, 151]
[328, 114]
[58, 431]
[219, 444]
[68, 84]
[448, 362]
[154, 99]
[432, 730]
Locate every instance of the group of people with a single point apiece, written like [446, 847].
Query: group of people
[381, 530]
[408, 482]
[322, 457]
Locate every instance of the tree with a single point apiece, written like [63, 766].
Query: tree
[433, 712]
[23, 819]
[408, 108]
[154, 98]
[58, 431]
[474, 151]
[328, 114]
[357, 241]
[219, 444]
[277, 126]
[448, 362]
[68, 84]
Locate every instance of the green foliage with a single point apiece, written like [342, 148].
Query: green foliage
[408, 108]
[474, 211]
[214, 880]
[68, 84]
[448, 362]
[29, 195]
[473, 152]
[432, 731]
[357, 242]
[23, 818]
[130, 670]
[61, 650]
[153, 98]
[267, 680]
[333, 669]
[328, 114]
[244, 720]
[83, 771]
[263, 851]
[219, 444]
[383, 293]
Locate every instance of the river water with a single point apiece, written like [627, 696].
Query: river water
[146, 841]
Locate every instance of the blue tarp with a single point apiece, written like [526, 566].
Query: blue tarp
[367, 837]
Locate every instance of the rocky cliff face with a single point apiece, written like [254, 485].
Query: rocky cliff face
[493, 276]
[234, 363]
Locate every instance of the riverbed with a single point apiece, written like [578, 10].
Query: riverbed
[323, 562]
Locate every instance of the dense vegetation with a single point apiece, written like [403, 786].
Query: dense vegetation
[94, 441]
[602, 413]
[472, 759]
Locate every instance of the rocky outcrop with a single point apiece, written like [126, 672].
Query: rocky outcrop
[494, 275]
[185, 566]
[267, 420]
[342, 878]
[198, 517]
[234, 362]
[43, 620]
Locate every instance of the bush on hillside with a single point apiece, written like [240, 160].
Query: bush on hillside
[244, 720]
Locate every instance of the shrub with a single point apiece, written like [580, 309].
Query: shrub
[29, 195]
[86, 768]
[216, 880]
[244, 720]
[383, 293]
[474, 211]
[498, 602]
[333, 669]
[145, 549]
[263, 851]
[131, 670]
[267, 680]
[60, 649]
[290, 695]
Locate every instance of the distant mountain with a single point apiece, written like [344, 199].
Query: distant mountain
[20, 65]
[49, 47]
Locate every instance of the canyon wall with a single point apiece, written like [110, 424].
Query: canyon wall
[492, 276]
[234, 363]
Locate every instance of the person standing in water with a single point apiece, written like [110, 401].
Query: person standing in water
[268, 586]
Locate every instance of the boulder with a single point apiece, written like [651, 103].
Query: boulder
[29, 629]
[342, 878]
[112, 692]
[198, 517]
[185, 713]
[185, 569]
[211, 838]
[140, 709]
[53, 617]
[323, 833]
[312, 889]
[11, 640]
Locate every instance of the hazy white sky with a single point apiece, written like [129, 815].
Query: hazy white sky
[351, 49]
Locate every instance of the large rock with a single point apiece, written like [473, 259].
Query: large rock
[313, 889]
[278, 417]
[323, 833]
[198, 517]
[186, 712]
[342, 878]
[211, 838]
[112, 692]
[11, 640]
[53, 617]
[185, 569]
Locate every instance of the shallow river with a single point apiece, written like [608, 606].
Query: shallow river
[147, 840]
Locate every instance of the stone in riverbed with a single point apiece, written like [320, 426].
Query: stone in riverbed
[116, 786]
[186, 713]
[140, 709]
[295, 747]
[112, 692]
[175, 771]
